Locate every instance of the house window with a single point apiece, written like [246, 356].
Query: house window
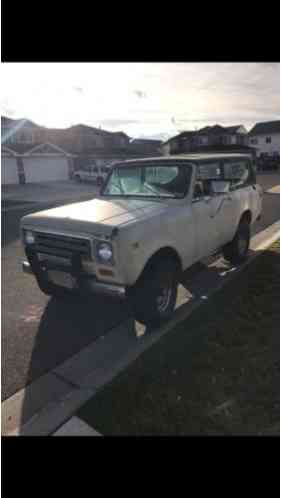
[268, 140]
[254, 141]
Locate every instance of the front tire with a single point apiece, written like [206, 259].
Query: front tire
[237, 250]
[153, 297]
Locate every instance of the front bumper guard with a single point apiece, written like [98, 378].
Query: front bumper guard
[90, 284]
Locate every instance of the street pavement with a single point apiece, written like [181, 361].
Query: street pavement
[38, 333]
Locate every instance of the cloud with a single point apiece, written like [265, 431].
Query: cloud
[145, 98]
[78, 89]
[140, 94]
[112, 123]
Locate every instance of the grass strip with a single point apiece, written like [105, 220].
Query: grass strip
[217, 373]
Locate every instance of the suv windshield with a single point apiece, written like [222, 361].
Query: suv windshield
[149, 180]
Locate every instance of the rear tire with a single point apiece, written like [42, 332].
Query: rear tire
[237, 250]
[153, 297]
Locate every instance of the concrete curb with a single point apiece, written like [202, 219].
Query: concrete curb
[81, 376]
[76, 427]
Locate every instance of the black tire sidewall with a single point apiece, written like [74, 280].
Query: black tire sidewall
[232, 251]
[243, 231]
[144, 294]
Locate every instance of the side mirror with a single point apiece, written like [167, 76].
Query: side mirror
[220, 187]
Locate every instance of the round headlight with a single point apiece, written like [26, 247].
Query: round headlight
[29, 237]
[104, 251]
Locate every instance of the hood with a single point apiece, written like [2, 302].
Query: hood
[92, 216]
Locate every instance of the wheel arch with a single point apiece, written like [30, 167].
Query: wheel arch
[246, 216]
[160, 254]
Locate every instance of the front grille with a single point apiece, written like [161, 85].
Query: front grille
[61, 245]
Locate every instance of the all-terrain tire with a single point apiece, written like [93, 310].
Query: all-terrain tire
[153, 297]
[237, 250]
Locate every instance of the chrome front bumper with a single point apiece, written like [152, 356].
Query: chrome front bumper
[90, 284]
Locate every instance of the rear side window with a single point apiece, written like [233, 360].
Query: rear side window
[209, 171]
[240, 173]
[206, 173]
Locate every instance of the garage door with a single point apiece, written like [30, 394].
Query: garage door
[9, 170]
[43, 169]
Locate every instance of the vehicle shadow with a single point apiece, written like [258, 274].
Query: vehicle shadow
[63, 322]
[66, 326]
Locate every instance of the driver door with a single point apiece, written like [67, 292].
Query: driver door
[204, 206]
[206, 236]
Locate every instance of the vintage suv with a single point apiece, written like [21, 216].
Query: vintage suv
[153, 219]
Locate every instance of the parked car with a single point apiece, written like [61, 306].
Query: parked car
[92, 173]
[153, 219]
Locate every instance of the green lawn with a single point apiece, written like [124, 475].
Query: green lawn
[217, 373]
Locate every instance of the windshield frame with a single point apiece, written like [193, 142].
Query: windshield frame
[146, 164]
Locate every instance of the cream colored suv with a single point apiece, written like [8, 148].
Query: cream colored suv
[153, 219]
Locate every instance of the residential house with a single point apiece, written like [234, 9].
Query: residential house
[78, 139]
[265, 138]
[82, 139]
[221, 135]
[20, 133]
[179, 143]
[42, 163]
[27, 157]
[82, 144]
[146, 146]
[209, 138]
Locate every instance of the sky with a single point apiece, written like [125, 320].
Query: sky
[142, 99]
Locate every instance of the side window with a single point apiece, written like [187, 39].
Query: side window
[209, 171]
[206, 173]
[202, 188]
[239, 173]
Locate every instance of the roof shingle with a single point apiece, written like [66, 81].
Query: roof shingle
[264, 128]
